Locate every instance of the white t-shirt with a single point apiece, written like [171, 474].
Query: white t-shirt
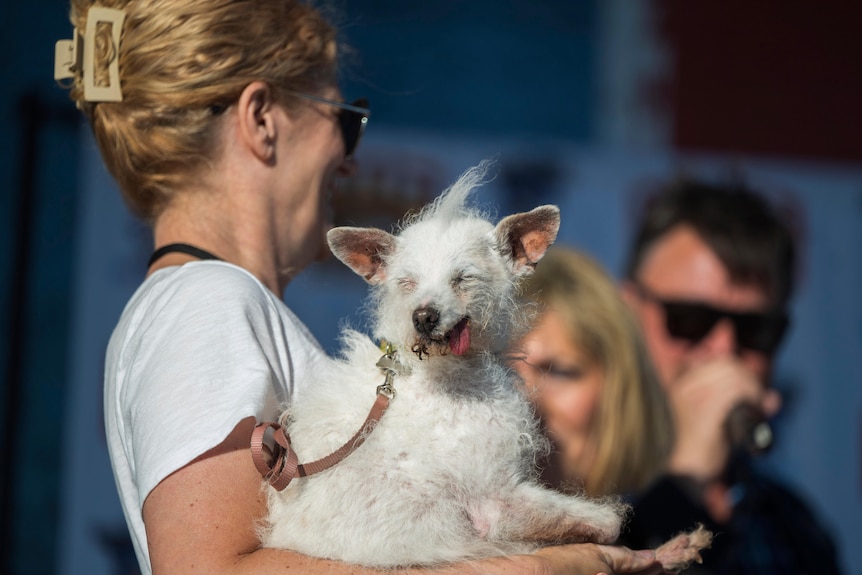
[198, 348]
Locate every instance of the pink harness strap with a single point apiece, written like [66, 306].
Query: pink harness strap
[285, 465]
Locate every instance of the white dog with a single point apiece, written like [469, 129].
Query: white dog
[447, 473]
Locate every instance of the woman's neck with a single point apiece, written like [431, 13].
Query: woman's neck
[228, 233]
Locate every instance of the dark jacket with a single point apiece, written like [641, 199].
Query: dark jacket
[771, 532]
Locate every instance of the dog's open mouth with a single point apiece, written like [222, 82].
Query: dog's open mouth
[459, 337]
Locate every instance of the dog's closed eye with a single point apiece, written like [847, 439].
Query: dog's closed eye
[463, 280]
[406, 284]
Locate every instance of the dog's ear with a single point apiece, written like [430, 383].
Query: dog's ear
[363, 250]
[526, 237]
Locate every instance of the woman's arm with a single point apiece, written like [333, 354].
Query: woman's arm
[200, 520]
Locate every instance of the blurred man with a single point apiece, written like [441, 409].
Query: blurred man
[710, 277]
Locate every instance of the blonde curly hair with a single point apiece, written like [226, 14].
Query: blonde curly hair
[180, 62]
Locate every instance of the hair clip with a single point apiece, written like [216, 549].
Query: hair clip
[67, 56]
[79, 54]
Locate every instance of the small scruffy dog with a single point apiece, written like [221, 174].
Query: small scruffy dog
[448, 472]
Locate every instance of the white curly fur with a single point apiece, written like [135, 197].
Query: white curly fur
[448, 472]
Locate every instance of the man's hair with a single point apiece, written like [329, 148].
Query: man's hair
[743, 230]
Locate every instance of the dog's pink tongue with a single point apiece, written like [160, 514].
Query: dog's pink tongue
[459, 337]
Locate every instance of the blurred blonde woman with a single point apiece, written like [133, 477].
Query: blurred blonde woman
[586, 368]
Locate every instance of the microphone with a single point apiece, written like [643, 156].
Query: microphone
[747, 429]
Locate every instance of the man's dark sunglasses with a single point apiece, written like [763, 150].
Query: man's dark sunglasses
[692, 321]
[352, 118]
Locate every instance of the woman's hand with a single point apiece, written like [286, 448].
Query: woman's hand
[592, 559]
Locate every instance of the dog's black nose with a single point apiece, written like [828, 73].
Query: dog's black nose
[425, 320]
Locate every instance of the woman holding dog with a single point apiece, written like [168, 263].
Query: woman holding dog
[587, 370]
[224, 127]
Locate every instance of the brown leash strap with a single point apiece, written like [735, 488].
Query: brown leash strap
[285, 465]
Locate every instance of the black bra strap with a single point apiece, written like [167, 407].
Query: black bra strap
[184, 249]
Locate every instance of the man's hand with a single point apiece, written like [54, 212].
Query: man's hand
[702, 398]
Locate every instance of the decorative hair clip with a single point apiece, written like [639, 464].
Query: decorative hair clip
[79, 54]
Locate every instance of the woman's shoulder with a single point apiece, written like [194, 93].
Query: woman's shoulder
[214, 296]
[204, 285]
[208, 277]
[211, 304]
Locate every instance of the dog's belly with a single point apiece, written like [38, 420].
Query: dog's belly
[420, 490]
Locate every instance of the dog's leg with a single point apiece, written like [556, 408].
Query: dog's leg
[534, 513]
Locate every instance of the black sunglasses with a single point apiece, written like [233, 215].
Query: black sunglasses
[692, 321]
[352, 119]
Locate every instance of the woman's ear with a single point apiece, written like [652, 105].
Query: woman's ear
[257, 126]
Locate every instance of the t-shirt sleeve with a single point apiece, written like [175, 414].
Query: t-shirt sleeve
[212, 354]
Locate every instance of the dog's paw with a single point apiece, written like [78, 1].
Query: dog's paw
[682, 550]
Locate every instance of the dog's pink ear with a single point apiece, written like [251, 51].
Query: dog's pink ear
[363, 250]
[526, 237]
